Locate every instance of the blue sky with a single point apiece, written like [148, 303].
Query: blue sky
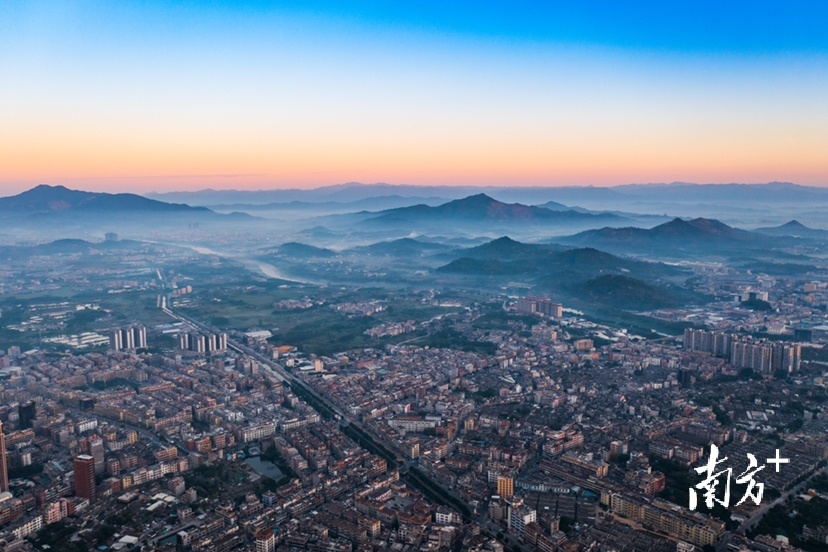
[143, 95]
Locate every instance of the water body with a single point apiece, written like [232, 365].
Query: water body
[256, 265]
[265, 468]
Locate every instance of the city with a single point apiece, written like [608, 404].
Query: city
[358, 276]
[499, 423]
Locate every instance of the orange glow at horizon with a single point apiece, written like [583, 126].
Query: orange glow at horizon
[139, 163]
[288, 101]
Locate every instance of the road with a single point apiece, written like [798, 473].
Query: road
[281, 375]
[751, 522]
[278, 373]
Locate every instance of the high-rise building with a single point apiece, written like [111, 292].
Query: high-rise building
[212, 343]
[127, 339]
[685, 377]
[745, 352]
[134, 337]
[265, 541]
[4, 465]
[96, 450]
[139, 336]
[115, 342]
[539, 305]
[526, 305]
[184, 341]
[197, 343]
[505, 486]
[84, 468]
[519, 518]
[26, 413]
[550, 308]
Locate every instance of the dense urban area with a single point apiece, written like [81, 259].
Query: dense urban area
[393, 276]
[146, 405]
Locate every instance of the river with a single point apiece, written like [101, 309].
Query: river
[253, 264]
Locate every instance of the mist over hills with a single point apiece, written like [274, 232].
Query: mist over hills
[401, 232]
[577, 274]
[303, 250]
[337, 193]
[480, 207]
[59, 199]
[505, 249]
[793, 228]
[675, 238]
[525, 258]
[296, 206]
[355, 191]
[482, 213]
[65, 247]
[48, 211]
[740, 204]
[403, 247]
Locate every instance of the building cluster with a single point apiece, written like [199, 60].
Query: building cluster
[143, 446]
[548, 433]
[134, 337]
[539, 305]
[479, 426]
[760, 355]
[210, 344]
[391, 328]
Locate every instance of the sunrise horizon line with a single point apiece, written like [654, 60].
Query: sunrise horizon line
[74, 187]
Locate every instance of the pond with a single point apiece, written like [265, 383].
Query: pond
[265, 468]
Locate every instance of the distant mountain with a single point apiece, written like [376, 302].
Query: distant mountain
[319, 232]
[404, 247]
[628, 293]
[683, 192]
[357, 191]
[337, 193]
[486, 267]
[555, 206]
[507, 249]
[65, 247]
[580, 274]
[672, 237]
[793, 228]
[302, 250]
[638, 217]
[549, 259]
[369, 204]
[59, 199]
[481, 208]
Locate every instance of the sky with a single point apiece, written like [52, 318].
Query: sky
[158, 96]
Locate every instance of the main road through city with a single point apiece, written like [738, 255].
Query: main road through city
[324, 404]
[280, 374]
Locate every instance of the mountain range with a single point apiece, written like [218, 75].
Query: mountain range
[793, 228]
[682, 192]
[480, 208]
[613, 281]
[403, 247]
[65, 247]
[672, 239]
[59, 199]
[45, 211]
